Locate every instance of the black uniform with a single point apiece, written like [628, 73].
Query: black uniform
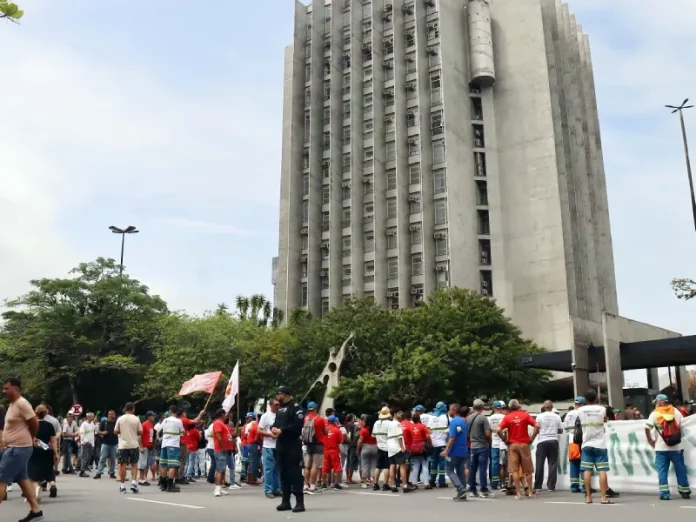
[290, 419]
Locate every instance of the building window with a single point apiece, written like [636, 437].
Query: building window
[369, 241]
[433, 55]
[307, 127]
[391, 179]
[346, 135]
[346, 82]
[389, 70]
[368, 160]
[346, 246]
[388, 45]
[327, 115]
[346, 65]
[346, 163]
[393, 299]
[368, 219]
[417, 264]
[367, 104]
[367, 10]
[433, 30]
[303, 267]
[485, 251]
[325, 169]
[486, 282]
[441, 246]
[389, 97]
[367, 54]
[389, 129]
[325, 221]
[305, 242]
[414, 173]
[412, 118]
[439, 151]
[325, 255]
[440, 211]
[327, 140]
[392, 268]
[304, 294]
[368, 188]
[440, 181]
[416, 236]
[369, 208]
[367, 129]
[484, 226]
[369, 271]
[435, 90]
[305, 158]
[305, 212]
[307, 73]
[346, 217]
[476, 109]
[324, 306]
[443, 278]
[308, 51]
[327, 66]
[410, 36]
[345, 191]
[411, 63]
[346, 110]
[392, 240]
[370, 295]
[480, 162]
[391, 208]
[414, 206]
[413, 147]
[346, 275]
[391, 150]
[367, 71]
[481, 193]
[411, 90]
[346, 31]
[367, 83]
[305, 184]
[436, 126]
[327, 90]
[478, 136]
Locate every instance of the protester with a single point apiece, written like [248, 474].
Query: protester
[223, 441]
[456, 453]
[41, 464]
[574, 449]
[592, 418]
[313, 433]
[109, 445]
[396, 450]
[367, 452]
[332, 453]
[517, 424]
[146, 461]
[666, 422]
[254, 441]
[271, 470]
[88, 432]
[129, 432]
[480, 438]
[170, 458]
[549, 428]
[417, 441]
[497, 471]
[380, 431]
[69, 446]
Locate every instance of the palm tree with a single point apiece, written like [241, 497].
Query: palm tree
[266, 317]
[277, 317]
[257, 302]
[222, 309]
[299, 316]
[242, 307]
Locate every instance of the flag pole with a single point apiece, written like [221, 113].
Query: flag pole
[210, 397]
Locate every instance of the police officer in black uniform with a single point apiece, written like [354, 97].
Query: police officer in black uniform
[287, 430]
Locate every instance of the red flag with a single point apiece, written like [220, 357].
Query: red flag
[205, 382]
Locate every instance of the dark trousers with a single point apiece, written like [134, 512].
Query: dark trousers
[213, 465]
[546, 451]
[290, 463]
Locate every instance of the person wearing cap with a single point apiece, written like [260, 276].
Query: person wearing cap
[574, 450]
[380, 433]
[246, 475]
[253, 449]
[313, 433]
[480, 438]
[497, 471]
[332, 453]
[666, 422]
[287, 429]
[439, 427]
[549, 428]
[147, 450]
[424, 418]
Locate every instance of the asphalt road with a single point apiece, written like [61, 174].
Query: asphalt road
[87, 499]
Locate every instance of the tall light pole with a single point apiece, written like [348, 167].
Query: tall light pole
[123, 231]
[680, 110]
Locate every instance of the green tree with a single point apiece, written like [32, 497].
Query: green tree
[10, 11]
[259, 310]
[90, 334]
[684, 288]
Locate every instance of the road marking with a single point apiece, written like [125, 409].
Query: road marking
[581, 503]
[687, 507]
[166, 503]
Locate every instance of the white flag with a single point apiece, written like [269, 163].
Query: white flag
[232, 389]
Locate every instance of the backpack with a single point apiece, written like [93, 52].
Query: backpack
[577, 433]
[671, 432]
[308, 435]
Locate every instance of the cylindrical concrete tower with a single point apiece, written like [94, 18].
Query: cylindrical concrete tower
[481, 43]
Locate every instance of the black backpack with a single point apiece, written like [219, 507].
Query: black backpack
[577, 433]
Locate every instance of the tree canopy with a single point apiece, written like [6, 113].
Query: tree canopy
[10, 11]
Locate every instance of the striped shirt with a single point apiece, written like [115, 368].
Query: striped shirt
[379, 432]
[172, 430]
[439, 427]
[395, 435]
[592, 419]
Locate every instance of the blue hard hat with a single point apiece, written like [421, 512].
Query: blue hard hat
[662, 397]
[250, 415]
[312, 406]
[333, 420]
[498, 404]
[580, 400]
[419, 408]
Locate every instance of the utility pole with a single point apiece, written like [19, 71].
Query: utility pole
[680, 110]
[123, 231]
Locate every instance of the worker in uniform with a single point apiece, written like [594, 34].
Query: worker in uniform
[287, 430]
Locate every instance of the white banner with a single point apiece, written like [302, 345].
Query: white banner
[631, 458]
[232, 389]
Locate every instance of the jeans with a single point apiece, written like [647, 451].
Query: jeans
[67, 456]
[191, 464]
[200, 461]
[271, 473]
[575, 481]
[495, 468]
[213, 465]
[253, 450]
[107, 452]
[479, 463]
[662, 461]
[418, 463]
[456, 471]
[245, 462]
[437, 466]
[546, 450]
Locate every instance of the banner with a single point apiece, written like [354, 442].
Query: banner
[204, 382]
[232, 389]
[631, 459]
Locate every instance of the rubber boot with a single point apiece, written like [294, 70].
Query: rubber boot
[299, 503]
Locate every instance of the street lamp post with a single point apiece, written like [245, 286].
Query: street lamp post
[680, 110]
[123, 231]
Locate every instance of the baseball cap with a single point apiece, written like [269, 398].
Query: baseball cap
[580, 400]
[312, 406]
[285, 390]
[250, 415]
[499, 404]
[150, 414]
[333, 419]
[419, 408]
[662, 397]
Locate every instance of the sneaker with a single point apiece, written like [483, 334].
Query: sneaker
[376, 487]
[429, 486]
[410, 488]
[32, 516]
[394, 489]
[503, 489]
[277, 494]
[218, 491]
[314, 491]
[97, 476]
[487, 494]
[235, 486]
[270, 496]
[460, 496]
[112, 476]
[173, 488]
[144, 483]
[122, 490]
[284, 507]
[474, 494]
[686, 496]
[337, 487]
[134, 488]
[83, 474]
[386, 487]
[363, 485]
[305, 489]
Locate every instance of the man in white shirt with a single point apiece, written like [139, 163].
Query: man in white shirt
[593, 417]
[129, 431]
[439, 427]
[70, 432]
[380, 431]
[549, 429]
[88, 430]
[396, 451]
[170, 458]
[497, 444]
[574, 451]
[666, 422]
[271, 471]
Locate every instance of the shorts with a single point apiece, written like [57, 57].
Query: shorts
[503, 456]
[332, 462]
[128, 457]
[314, 458]
[170, 458]
[398, 460]
[13, 465]
[158, 450]
[382, 459]
[594, 458]
[146, 459]
[520, 455]
[224, 460]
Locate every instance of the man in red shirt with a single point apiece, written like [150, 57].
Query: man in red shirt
[332, 453]
[415, 439]
[407, 426]
[517, 424]
[147, 450]
[183, 444]
[314, 462]
[192, 440]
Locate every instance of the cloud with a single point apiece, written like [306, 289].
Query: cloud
[205, 227]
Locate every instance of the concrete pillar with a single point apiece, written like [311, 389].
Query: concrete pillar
[612, 358]
[683, 380]
[653, 379]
